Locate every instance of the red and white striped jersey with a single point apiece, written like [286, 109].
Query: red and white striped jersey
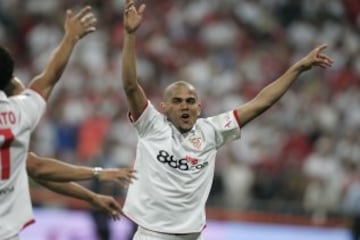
[19, 115]
[175, 171]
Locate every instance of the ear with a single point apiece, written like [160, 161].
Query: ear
[199, 110]
[162, 107]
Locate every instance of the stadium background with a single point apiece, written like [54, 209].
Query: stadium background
[297, 164]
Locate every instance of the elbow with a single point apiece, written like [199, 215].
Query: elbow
[129, 80]
[265, 106]
[130, 89]
[265, 101]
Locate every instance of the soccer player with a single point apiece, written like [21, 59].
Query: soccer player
[20, 114]
[176, 149]
[56, 175]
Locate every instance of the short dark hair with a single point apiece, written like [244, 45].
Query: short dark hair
[6, 68]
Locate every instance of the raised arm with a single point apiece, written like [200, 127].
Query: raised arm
[104, 203]
[134, 92]
[49, 169]
[76, 27]
[275, 90]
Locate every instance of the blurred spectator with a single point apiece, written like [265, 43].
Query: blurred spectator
[351, 196]
[238, 180]
[325, 174]
[101, 220]
[92, 134]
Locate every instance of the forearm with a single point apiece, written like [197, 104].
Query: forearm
[54, 170]
[274, 91]
[129, 75]
[45, 82]
[268, 96]
[134, 92]
[60, 58]
[69, 189]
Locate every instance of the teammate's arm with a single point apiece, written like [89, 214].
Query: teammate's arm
[50, 169]
[274, 91]
[76, 27]
[136, 97]
[105, 203]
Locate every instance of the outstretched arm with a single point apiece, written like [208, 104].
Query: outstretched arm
[50, 169]
[76, 27]
[274, 91]
[134, 92]
[106, 204]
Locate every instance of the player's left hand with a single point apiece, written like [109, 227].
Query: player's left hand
[79, 25]
[315, 58]
[123, 176]
[108, 205]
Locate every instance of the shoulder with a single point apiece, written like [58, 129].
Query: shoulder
[29, 98]
[148, 114]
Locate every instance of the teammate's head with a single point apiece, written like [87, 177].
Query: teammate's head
[6, 68]
[181, 105]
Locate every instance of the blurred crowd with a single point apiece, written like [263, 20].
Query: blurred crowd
[303, 155]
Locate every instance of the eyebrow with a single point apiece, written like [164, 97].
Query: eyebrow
[186, 99]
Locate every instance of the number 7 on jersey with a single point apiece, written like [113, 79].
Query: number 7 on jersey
[6, 138]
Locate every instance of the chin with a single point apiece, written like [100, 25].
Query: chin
[184, 129]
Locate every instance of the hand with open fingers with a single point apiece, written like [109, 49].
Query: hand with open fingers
[123, 176]
[132, 16]
[316, 58]
[108, 205]
[79, 25]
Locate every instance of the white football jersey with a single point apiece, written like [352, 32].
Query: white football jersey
[19, 116]
[175, 171]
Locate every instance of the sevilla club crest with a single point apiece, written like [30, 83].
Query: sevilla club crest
[196, 142]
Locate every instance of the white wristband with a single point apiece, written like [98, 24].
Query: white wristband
[97, 171]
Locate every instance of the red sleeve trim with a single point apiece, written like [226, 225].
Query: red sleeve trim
[28, 223]
[236, 114]
[203, 228]
[133, 119]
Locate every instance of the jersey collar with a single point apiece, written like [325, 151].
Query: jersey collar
[178, 133]
[3, 96]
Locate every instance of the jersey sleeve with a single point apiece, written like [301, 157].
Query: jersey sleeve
[226, 126]
[149, 120]
[31, 105]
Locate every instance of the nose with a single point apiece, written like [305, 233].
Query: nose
[184, 105]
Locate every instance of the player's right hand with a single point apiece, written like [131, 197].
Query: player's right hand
[78, 25]
[108, 205]
[132, 16]
[315, 58]
[123, 176]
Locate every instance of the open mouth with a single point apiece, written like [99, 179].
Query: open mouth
[185, 117]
